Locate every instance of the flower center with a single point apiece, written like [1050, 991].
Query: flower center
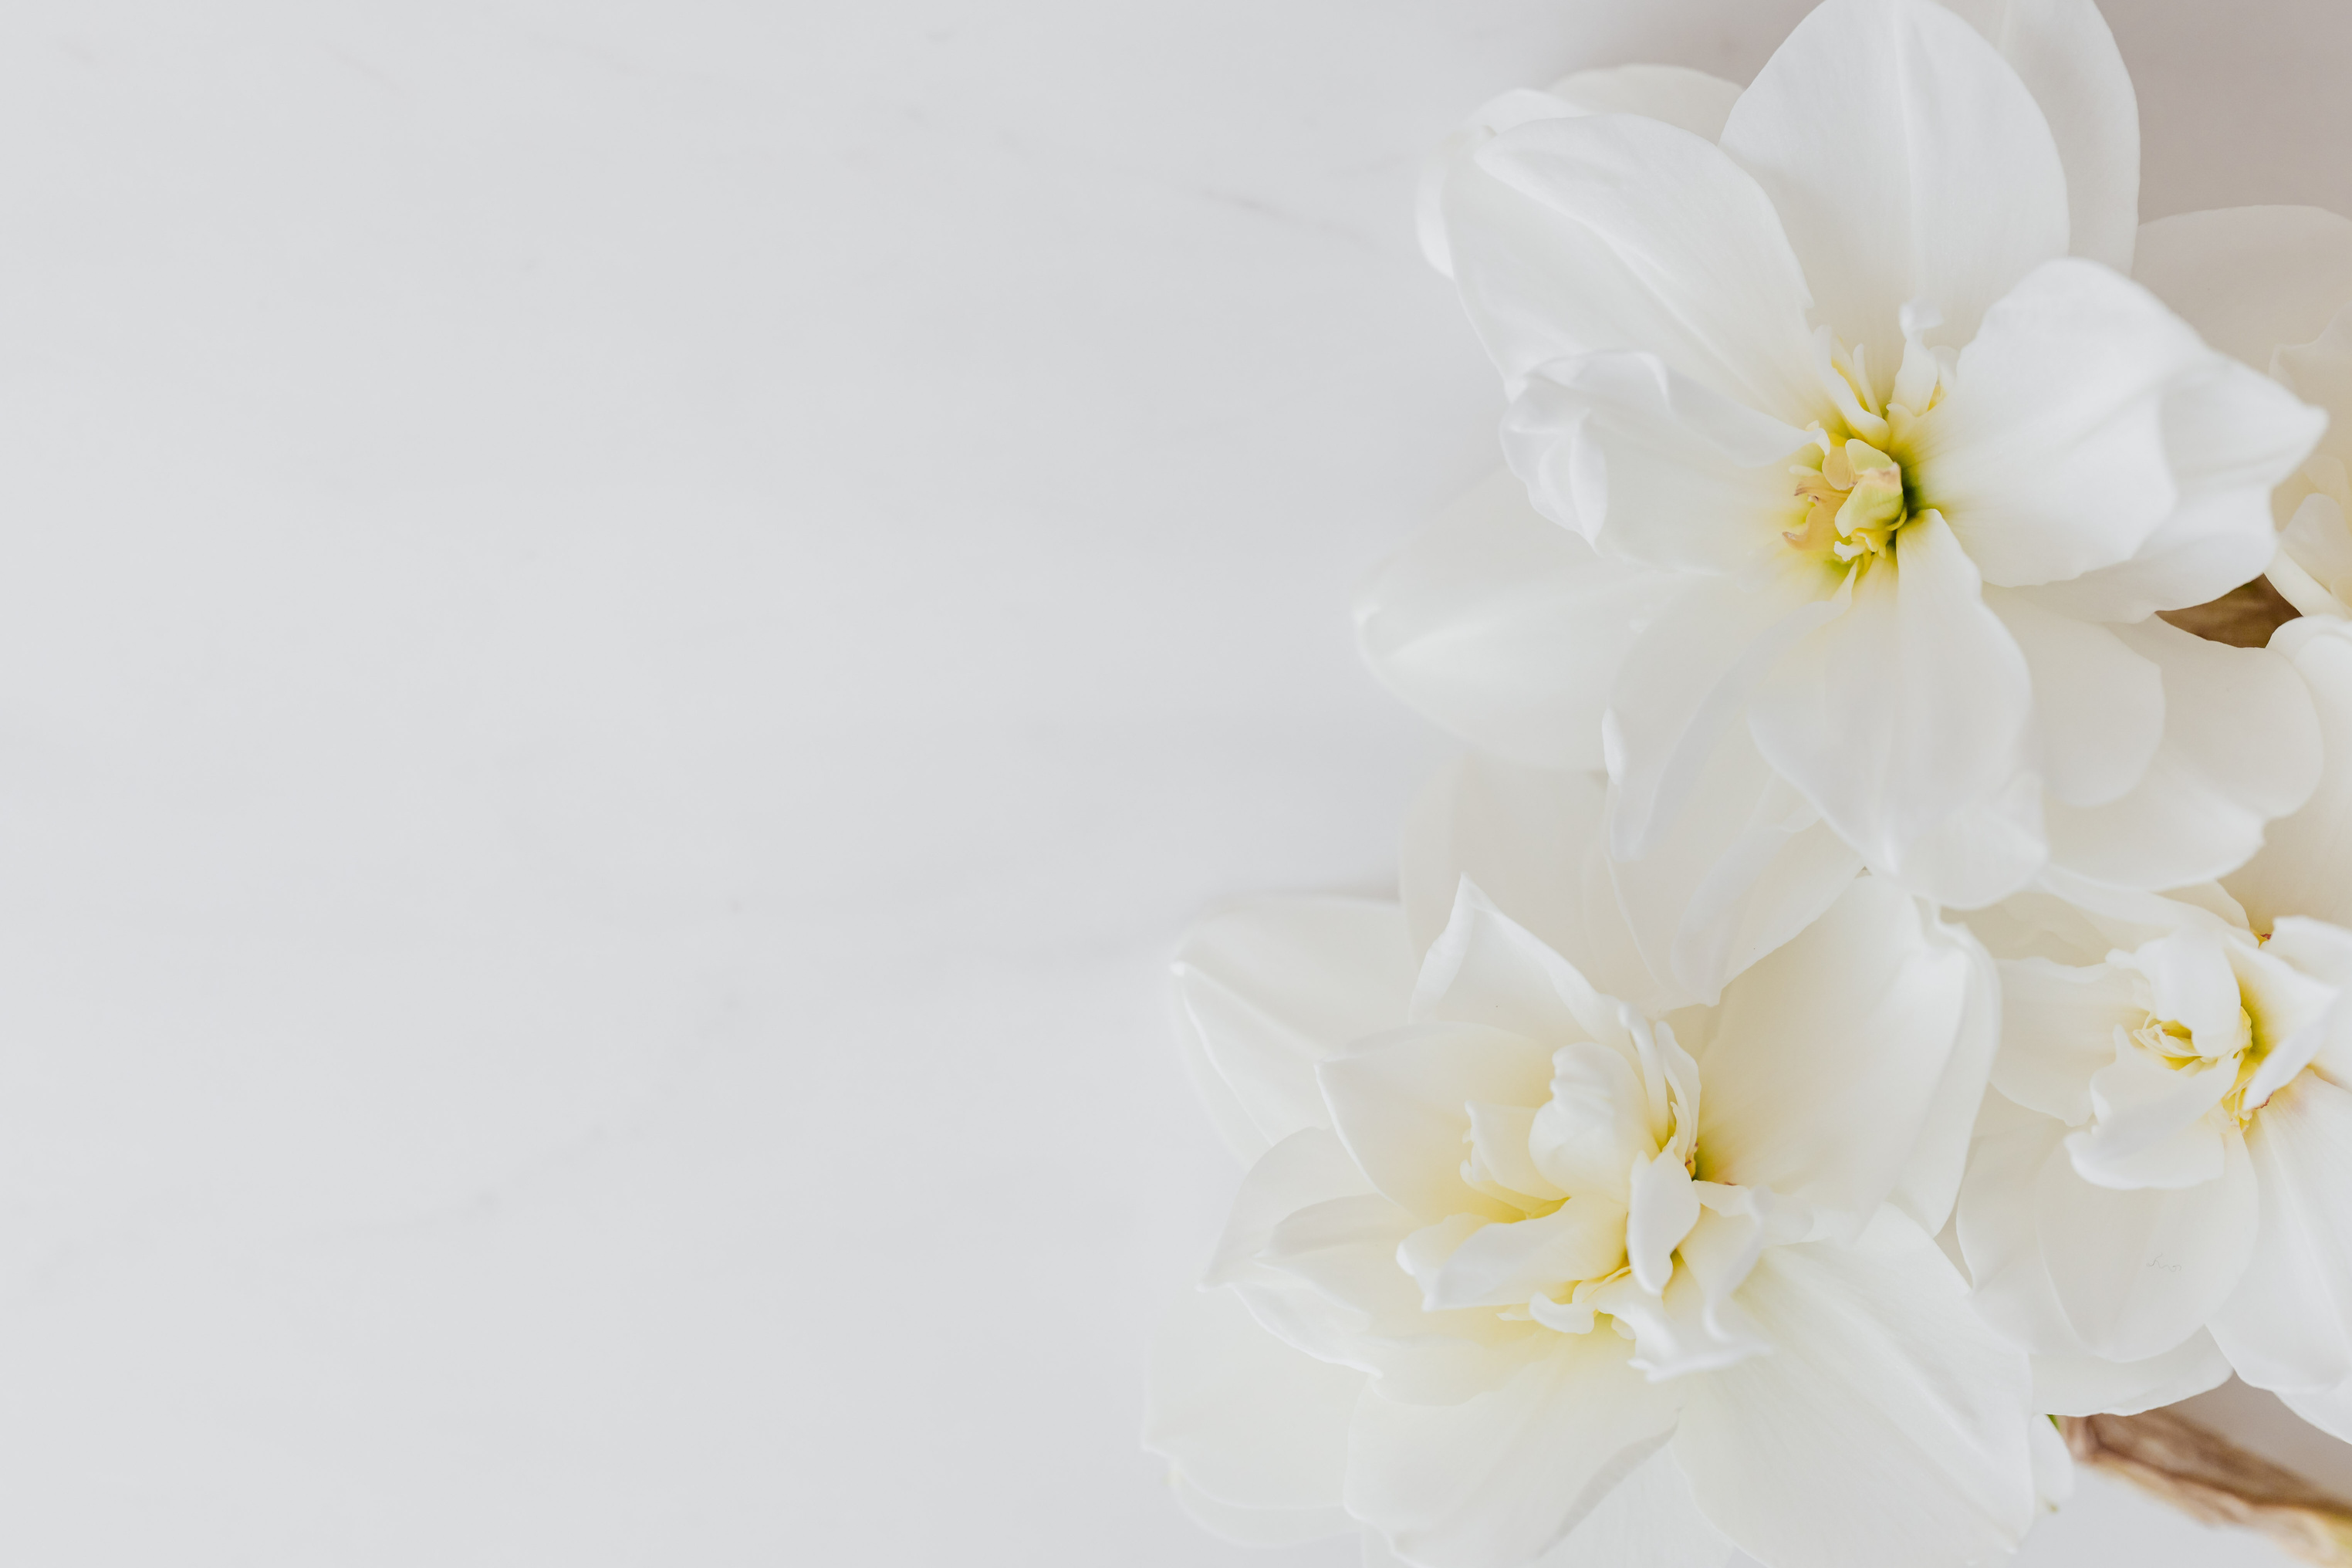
[1852, 482]
[1854, 501]
[2172, 1043]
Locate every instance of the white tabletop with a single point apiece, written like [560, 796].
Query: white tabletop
[627, 631]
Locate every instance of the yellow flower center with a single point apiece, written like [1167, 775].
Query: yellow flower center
[1854, 490]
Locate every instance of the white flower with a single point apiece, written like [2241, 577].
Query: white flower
[2162, 1188]
[1525, 1273]
[1867, 487]
[2273, 287]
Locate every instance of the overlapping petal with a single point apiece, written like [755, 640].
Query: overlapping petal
[2240, 748]
[1247, 1420]
[2064, 53]
[1619, 232]
[1505, 628]
[2289, 1325]
[1264, 993]
[1829, 1055]
[1907, 715]
[1495, 1482]
[2299, 868]
[1691, 99]
[2250, 279]
[1880, 1368]
[1906, 162]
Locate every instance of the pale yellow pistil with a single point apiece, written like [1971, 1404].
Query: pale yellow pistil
[1855, 502]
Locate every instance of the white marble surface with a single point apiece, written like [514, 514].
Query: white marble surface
[627, 632]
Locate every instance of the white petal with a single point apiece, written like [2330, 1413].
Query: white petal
[1505, 628]
[1486, 969]
[2312, 569]
[2192, 982]
[1679, 1333]
[1499, 1135]
[1264, 993]
[1505, 1264]
[2088, 1385]
[1532, 841]
[1595, 1128]
[1930, 1183]
[2064, 53]
[2058, 1032]
[2329, 1409]
[2137, 1272]
[1691, 99]
[1829, 1056]
[1997, 1231]
[1746, 865]
[1907, 161]
[1248, 1420]
[2290, 1324]
[2250, 279]
[1647, 1521]
[2230, 436]
[1880, 1369]
[1684, 683]
[2048, 455]
[1259, 1526]
[1661, 1212]
[2301, 868]
[2240, 746]
[1651, 466]
[2098, 706]
[2154, 1124]
[1902, 714]
[1619, 232]
[1400, 1102]
[1494, 1482]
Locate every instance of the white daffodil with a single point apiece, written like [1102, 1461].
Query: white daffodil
[2273, 287]
[2161, 1189]
[1522, 1274]
[1869, 468]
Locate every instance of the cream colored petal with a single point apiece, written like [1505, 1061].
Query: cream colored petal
[1504, 628]
[2250, 279]
[2058, 1032]
[1264, 993]
[2137, 1272]
[1829, 1055]
[1400, 1103]
[1616, 232]
[1498, 1480]
[1880, 1369]
[1247, 1420]
[1907, 161]
[2067, 59]
[2203, 807]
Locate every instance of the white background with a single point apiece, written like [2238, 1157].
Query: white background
[627, 632]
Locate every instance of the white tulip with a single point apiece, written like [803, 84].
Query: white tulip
[1522, 1273]
[2161, 1190]
[1867, 481]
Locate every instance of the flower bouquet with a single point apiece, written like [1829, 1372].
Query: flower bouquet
[1870, 1014]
